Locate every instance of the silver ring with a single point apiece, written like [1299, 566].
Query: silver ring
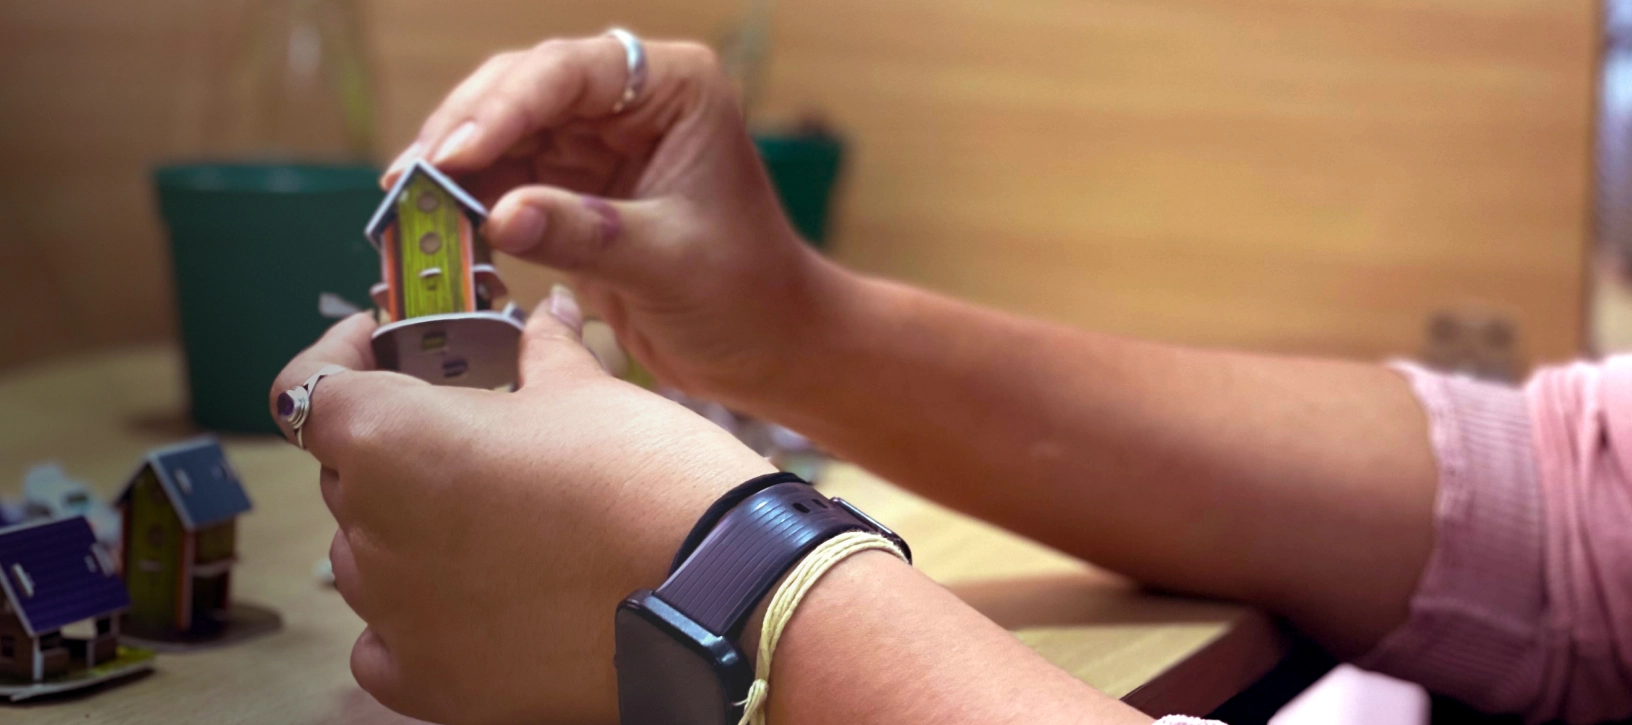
[634, 53]
[295, 404]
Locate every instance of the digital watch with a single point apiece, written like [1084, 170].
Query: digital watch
[677, 658]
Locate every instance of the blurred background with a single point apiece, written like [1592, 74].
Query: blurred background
[1286, 175]
[1448, 180]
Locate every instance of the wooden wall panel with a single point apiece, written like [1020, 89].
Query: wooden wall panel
[1281, 174]
[1311, 175]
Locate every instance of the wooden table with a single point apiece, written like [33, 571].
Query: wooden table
[97, 415]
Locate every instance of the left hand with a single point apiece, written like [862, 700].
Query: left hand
[662, 213]
[486, 538]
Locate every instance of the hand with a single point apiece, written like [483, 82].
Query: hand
[662, 213]
[486, 538]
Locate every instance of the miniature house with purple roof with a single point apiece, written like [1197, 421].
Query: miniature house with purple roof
[180, 539]
[54, 574]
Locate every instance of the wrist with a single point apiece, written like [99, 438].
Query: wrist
[828, 311]
[845, 582]
[652, 533]
[677, 645]
[849, 592]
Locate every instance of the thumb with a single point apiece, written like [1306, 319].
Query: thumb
[552, 344]
[612, 240]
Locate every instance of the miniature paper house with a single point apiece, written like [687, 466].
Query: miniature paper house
[438, 285]
[48, 493]
[56, 574]
[180, 539]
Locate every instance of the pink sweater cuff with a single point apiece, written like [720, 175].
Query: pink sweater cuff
[1471, 632]
[1524, 603]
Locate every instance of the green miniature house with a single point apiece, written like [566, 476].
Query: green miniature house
[437, 286]
[180, 512]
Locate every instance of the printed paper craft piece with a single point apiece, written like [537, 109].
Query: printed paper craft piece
[48, 493]
[181, 509]
[438, 285]
[55, 574]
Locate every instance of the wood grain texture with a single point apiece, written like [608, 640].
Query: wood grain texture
[1278, 174]
[1299, 175]
[99, 414]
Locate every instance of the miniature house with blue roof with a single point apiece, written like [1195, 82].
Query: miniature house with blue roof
[180, 539]
[54, 573]
[438, 285]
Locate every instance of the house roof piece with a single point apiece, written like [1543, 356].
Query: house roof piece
[201, 485]
[388, 208]
[54, 573]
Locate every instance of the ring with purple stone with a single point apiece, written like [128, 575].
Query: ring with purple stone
[295, 404]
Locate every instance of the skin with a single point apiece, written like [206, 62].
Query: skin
[1305, 486]
[486, 538]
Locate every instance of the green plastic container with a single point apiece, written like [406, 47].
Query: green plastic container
[253, 247]
[804, 167]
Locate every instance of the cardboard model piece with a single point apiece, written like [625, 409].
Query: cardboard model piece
[438, 286]
[54, 574]
[181, 510]
[48, 493]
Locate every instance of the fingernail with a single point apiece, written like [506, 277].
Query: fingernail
[523, 230]
[564, 307]
[455, 142]
[403, 159]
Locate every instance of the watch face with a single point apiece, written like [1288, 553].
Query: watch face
[672, 671]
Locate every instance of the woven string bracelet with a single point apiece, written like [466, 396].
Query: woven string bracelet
[787, 598]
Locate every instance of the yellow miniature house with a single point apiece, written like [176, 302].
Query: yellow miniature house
[438, 285]
[180, 533]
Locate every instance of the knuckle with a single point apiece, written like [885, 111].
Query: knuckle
[338, 550]
[502, 58]
[551, 58]
[343, 406]
[369, 669]
[391, 681]
[550, 68]
[699, 56]
[552, 46]
[343, 569]
[490, 109]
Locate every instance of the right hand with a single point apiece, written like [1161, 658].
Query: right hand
[486, 538]
[662, 214]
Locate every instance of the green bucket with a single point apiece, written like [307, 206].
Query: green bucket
[253, 247]
[804, 167]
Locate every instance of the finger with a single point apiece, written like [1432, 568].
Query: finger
[328, 482]
[620, 241]
[379, 675]
[343, 561]
[551, 346]
[346, 343]
[560, 80]
[554, 81]
[603, 344]
[462, 97]
[339, 399]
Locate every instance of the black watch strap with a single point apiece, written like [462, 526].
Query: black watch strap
[753, 544]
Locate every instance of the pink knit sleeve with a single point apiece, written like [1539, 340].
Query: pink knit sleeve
[1525, 604]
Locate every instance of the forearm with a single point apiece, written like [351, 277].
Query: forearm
[875, 641]
[1306, 485]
